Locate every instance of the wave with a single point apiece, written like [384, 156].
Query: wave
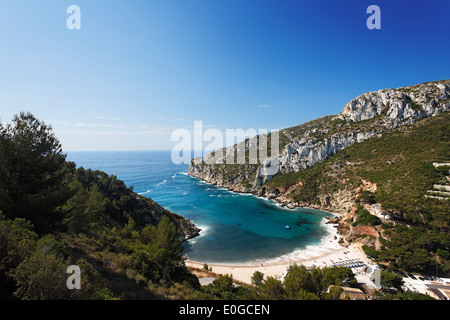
[203, 229]
[203, 232]
[142, 193]
[164, 181]
[328, 243]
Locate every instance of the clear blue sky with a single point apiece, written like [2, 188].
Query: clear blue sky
[137, 70]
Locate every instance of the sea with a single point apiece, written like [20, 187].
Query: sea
[235, 228]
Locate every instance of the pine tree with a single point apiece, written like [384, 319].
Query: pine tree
[32, 169]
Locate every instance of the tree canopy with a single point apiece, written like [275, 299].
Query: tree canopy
[32, 169]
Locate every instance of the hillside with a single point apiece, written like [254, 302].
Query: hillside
[381, 187]
[367, 116]
[380, 148]
[53, 215]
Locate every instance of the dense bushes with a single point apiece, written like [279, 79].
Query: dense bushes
[32, 170]
[300, 283]
[363, 217]
[53, 215]
[126, 246]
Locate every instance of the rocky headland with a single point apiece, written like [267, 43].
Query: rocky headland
[369, 115]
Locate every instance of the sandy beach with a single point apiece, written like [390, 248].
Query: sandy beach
[329, 251]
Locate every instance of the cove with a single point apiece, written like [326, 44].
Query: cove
[235, 228]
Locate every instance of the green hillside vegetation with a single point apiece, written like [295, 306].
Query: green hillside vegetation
[365, 218]
[53, 215]
[400, 163]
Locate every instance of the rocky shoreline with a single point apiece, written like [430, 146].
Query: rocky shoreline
[341, 208]
[343, 200]
[279, 199]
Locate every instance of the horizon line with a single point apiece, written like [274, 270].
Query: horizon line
[121, 150]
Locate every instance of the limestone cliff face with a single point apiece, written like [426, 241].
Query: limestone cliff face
[403, 105]
[369, 115]
[218, 174]
[303, 153]
[387, 109]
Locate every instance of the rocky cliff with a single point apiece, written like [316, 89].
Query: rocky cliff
[369, 115]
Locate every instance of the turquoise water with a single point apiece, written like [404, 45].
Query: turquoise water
[236, 228]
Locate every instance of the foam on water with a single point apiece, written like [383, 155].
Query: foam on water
[327, 244]
[144, 193]
[164, 181]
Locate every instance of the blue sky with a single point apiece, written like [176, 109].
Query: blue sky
[137, 70]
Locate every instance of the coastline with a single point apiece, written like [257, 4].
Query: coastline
[278, 269]
[328, 251]
[280, 201]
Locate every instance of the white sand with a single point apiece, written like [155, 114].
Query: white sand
[321, 255]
